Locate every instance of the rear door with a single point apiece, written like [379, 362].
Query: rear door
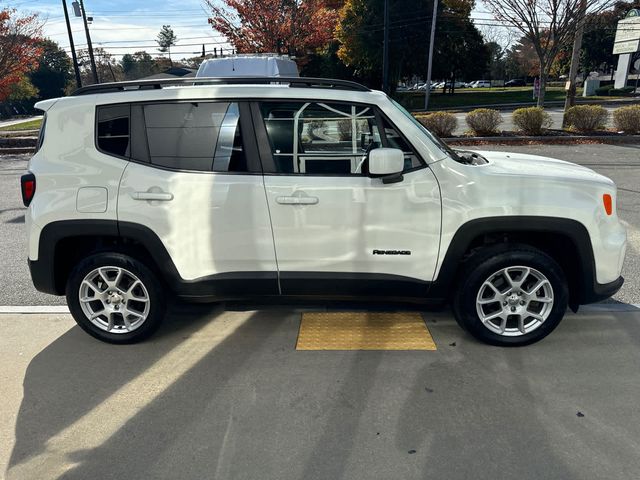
[195, 182]
[339, 232]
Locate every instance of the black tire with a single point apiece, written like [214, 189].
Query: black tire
[150, 281]
[480, 266]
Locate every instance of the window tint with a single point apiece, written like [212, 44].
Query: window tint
[320, 138]
[202, 136]
[195, 136]
[113, 129]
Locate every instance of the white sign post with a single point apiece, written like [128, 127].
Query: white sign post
[626, 43]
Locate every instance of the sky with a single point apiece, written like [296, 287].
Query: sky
[122, 26]
[127, 26]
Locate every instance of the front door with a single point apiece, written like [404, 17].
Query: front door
[337, 231]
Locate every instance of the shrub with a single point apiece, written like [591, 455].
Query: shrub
[621, 91]
[484, 121]
[603, 91]
[441, 123]
[532, 120]
[627, 119]
[587, 118]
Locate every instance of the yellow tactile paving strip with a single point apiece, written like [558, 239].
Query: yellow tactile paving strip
[364, 331]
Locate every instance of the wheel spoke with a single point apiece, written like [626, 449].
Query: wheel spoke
[104, 277]
[542, 299]
[536, 316]
[118, 278]
[492, 287]
[539, 284]
[521, 324]
[517, 284]
[503, 324]
[492, 316]
[487, 301]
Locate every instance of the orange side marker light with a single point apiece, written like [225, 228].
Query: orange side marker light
[608, 203]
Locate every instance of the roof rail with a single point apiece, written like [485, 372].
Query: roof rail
[160, 83]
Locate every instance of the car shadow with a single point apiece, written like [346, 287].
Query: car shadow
[75, 373]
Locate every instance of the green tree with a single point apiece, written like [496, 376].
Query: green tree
[360, 33]
[108, 69]
[599, 33]
[496, 65]
[54, 71]
[166, 40]
[138, 65]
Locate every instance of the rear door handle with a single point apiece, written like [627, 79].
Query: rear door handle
[161, 196]
[297, 200]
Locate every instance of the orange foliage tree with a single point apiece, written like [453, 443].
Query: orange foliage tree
[295, 27]
[19, 48]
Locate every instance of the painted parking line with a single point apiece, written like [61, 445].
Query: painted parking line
[34, 309]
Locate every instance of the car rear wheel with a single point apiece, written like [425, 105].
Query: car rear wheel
[511, 296]
[115, 298]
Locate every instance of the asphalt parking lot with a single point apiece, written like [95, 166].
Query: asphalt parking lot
[224, 393]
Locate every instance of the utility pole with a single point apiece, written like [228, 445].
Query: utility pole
[427, 89]
[570, 100]
[385, 49]
[76, 69]
[89, 45]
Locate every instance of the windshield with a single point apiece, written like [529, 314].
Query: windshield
[439, 143]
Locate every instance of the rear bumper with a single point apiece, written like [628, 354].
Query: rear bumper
[42, 277]
[602, 291]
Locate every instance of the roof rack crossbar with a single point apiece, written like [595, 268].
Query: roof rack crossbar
[156, 84]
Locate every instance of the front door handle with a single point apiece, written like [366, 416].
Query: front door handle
[161, 196]
[294, 200]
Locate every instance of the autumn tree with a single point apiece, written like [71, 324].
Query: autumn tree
[19, 49]
[295, 27]
[548, 24]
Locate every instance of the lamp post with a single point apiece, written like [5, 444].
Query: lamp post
[427, 89]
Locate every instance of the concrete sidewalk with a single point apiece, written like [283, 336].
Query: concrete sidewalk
[225, 395]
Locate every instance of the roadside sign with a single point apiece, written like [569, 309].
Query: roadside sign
[629, 46]
[627, 35]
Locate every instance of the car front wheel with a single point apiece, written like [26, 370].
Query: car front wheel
[511, 297]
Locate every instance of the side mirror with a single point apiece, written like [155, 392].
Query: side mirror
[387, 163]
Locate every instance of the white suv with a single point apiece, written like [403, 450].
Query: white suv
[220, 189]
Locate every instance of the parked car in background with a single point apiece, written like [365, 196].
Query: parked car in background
[515, 82]
[481, 84]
